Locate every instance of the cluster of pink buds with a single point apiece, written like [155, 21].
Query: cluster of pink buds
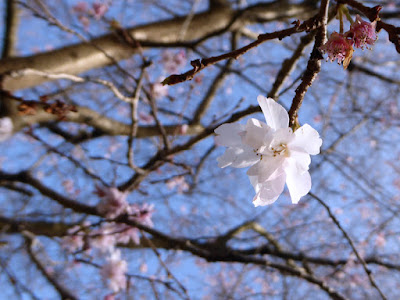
[83, 12]
[340, 45]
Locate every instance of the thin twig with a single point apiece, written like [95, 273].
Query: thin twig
[134, 120]
[169, 274]
[198, 65]
[351, 243]
[64, 293]
[74, 78]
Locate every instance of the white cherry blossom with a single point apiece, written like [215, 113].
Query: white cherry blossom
[275, 154]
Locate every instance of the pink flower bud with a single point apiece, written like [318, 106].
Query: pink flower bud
[339, 47]
[362, 33]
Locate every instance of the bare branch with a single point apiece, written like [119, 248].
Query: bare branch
[64, 293]
[353, 247]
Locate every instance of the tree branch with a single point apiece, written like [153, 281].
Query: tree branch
[82, 57]
[64, 293]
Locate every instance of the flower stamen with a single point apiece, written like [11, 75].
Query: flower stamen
[280, 150]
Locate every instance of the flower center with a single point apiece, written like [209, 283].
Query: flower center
[281, 149]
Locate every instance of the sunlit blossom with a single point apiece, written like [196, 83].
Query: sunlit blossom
[274, 153]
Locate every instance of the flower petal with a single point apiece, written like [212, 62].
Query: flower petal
[266, 169]
[269, 191]
[228, 135]
[299, 184]
[227, 158]
[237, 158]
[274, 113]
[245, 158]
[300, 160]
[306, 139]
[257, 134]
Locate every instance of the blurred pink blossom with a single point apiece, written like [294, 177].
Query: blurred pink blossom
[6, 128]
[182, 129]
[173, 62]
[74, 240]
[179, 182]
[141, 214]
[110, 234]
[84, 21]
[159, 90]
[80, 8]
[72, 243]
[103, 238]
[380, 240]
[114, 271]
[145, 117]
[317, 119]
[127, 234]
[109, 297]
[113, 202]
[99, 10]
[393, 108]
[396, 183]
[143, 268]
[68, 185]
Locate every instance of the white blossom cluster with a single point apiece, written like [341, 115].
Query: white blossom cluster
[274, 153]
